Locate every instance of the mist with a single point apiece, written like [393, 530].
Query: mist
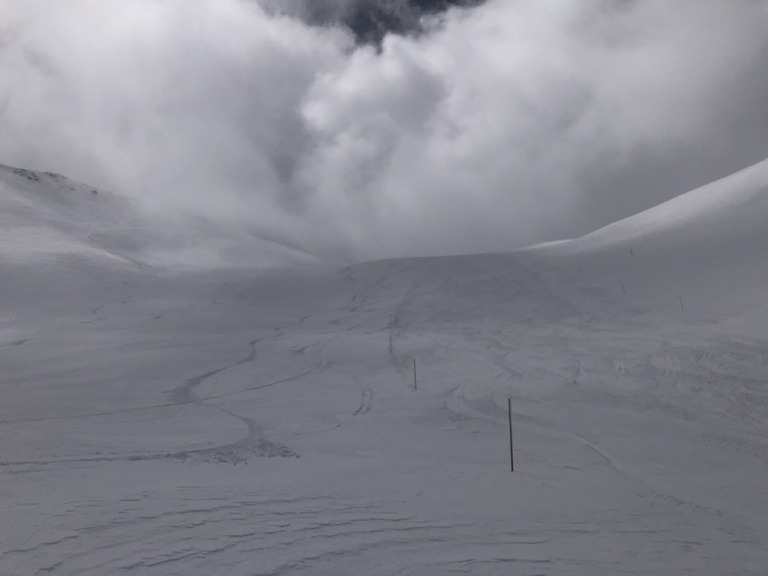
[468, 128]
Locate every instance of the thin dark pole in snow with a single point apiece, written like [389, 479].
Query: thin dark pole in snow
[623, 290]
[631, 253]
[681, 302]
[415, 383]
[390, 334]
[511, 445]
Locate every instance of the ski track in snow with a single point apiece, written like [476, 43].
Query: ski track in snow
[197, 530]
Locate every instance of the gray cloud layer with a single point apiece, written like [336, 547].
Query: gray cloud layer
[512, 122]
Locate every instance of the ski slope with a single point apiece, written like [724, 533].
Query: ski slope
[260, 417]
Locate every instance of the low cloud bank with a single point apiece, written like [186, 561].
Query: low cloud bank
[490, 127]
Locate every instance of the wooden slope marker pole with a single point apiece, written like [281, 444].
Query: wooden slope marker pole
[680, 296]
[511, 445]
[390, 334]
[415, 382]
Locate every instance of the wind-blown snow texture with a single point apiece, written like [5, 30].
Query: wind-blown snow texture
[166, 418]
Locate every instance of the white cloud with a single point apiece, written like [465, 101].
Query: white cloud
[515, 121]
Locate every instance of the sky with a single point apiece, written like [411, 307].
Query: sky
[361, 129]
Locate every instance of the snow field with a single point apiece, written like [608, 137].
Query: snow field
[251, 421]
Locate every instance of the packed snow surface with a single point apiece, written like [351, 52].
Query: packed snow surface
[259, 416]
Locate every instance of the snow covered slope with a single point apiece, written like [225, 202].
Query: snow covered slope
[47, 214]
[43, 215]
[708, 248]
[247, 420]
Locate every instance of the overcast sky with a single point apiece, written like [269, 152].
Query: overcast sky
[483, 127]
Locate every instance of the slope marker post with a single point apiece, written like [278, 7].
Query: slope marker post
[680, 296]
[415, 382]
[511, 445]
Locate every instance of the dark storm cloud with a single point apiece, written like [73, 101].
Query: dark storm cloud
[369, 20]
[483, 128]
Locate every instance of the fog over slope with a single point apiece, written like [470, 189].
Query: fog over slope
[485, 126]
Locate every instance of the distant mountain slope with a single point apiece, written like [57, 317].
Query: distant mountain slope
[44, 215]
[705, 251]
[730, 212]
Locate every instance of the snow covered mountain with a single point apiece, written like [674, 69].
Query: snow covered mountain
[43, 214]
[196, 418]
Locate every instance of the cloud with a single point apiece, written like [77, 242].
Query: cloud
[369, 20]
[510, 122]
